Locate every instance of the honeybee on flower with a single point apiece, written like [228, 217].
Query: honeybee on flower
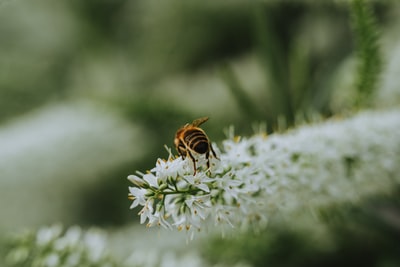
[191, 139]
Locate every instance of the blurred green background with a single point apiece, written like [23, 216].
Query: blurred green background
[90, 91]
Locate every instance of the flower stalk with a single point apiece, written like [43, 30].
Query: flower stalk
[309, 167]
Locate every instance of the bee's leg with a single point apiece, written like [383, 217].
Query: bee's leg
[194, 161]
[213, 152]
[182, 150]
[208, 160]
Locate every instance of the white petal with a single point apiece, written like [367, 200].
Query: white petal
[151, 179]
[203, 187]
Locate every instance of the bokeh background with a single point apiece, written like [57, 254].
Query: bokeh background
[90, 91]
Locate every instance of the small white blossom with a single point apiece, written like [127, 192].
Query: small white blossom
[138, 195]
[147, 211]
[199, 180]
[136, 180]
[199, 205]
[223, 214]
[159, 219]
[169, 168]
[151, 179]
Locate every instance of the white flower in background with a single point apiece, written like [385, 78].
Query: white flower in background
[46, 235]
[257, 176]
[31, 143]
[70, 239]
[95, 243]
[53, 247]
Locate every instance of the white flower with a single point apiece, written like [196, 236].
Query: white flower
[52, 260]
[199, 180]
[147, 211]
[151, 179]
[138, 195]
[53, 247]
[169, 168]
[223, 214]
[229, 186]
[136, 180]
[46, 235]
[159, 219]
[238, 152]
[199, 205]
[95, 243]
[183, 220]
[257, 176]
[70, 239]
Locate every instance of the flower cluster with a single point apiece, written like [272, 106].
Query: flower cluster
[173, 195]
[254, 177]
[55, 247]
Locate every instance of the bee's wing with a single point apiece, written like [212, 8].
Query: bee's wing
[199, 121]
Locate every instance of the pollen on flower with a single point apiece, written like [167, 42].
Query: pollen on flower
[237, 138]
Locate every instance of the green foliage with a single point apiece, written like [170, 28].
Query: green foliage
[124, 49]
[300, 77]
[190, 35]
[271, 247]
[243, 100]
[298, 57]
[367, 49]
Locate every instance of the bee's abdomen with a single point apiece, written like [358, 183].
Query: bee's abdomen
[197, 141]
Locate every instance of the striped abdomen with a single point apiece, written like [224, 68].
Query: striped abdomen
[196, 140]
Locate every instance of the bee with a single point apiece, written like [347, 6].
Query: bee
[191, 139]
